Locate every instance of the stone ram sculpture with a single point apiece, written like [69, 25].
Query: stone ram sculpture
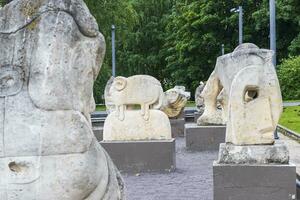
[140, 90]
[134, 104]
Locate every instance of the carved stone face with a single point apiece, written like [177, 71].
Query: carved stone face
[11, 80]
[50, 54]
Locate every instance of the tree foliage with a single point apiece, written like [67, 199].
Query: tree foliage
[109, 12]
[178, 41]
[289, 77]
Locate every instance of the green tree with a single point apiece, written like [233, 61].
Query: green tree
[142, 53]
[108, 12]
[196, 30]
[289, 77]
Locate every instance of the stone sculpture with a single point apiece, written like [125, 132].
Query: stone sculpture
[108, 99]
[50, 55]
[174, 101]
[141, 92]
[199, 99]
[251, 91]
[247, 84]
[219, 107]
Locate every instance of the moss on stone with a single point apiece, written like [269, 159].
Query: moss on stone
[30, 8]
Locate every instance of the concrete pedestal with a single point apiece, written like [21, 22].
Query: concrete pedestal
[204, 138]
[98, 122]
[196, 116]
[254, 182]
[177, 126]
[189, 116]
[98, 132]
[142, 156]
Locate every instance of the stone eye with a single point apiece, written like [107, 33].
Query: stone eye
[250, 94]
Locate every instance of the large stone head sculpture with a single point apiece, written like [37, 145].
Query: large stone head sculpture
[50, 54]
[247, 80]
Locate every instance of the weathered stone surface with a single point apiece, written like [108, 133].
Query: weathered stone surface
[50, 54]
[199, 99]
[174, 101]
[253, 154]
[246, 84]
[107, 96]
[135, 127]
[136, 101]
[141, 90]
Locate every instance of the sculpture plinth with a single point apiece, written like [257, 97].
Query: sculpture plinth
[177, 127]
[203, 138]
[138, 140]
[251, 182]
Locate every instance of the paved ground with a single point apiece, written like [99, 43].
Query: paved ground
[294, 149]
[191, 181]
[287, 104]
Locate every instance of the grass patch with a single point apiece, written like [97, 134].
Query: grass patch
[100, 108]
[290, 118]
[190, 104]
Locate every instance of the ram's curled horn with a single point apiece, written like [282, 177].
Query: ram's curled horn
[120, 83]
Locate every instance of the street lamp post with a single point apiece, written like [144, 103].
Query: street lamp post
[240, 11]
[223, 50]
[273, 29]
[240, 24]
[113, 49]
[272, 5]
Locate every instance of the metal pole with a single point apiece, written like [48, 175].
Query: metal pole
[223, 51]
[273, 40]
[273, 29]
[113, 49]
[240, 24]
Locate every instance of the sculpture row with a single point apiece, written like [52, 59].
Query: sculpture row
[51, 52]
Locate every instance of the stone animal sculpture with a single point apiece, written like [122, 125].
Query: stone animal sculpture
[246, 83]
[142, 90]
[174, 101]
[50, 54]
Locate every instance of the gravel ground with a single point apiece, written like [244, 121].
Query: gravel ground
[192, 179]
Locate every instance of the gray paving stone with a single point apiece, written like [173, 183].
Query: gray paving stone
[192, 180]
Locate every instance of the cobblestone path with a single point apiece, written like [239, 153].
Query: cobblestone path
[192, 179]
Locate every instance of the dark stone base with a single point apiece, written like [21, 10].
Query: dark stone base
[177, 126]
[196, 116]
[98, 122]
[298, 187]
[189, 116]
[254, 182]
[204, 138]
[98, 132]
[142, 156]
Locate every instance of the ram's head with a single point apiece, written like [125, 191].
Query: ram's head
[119, 83]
